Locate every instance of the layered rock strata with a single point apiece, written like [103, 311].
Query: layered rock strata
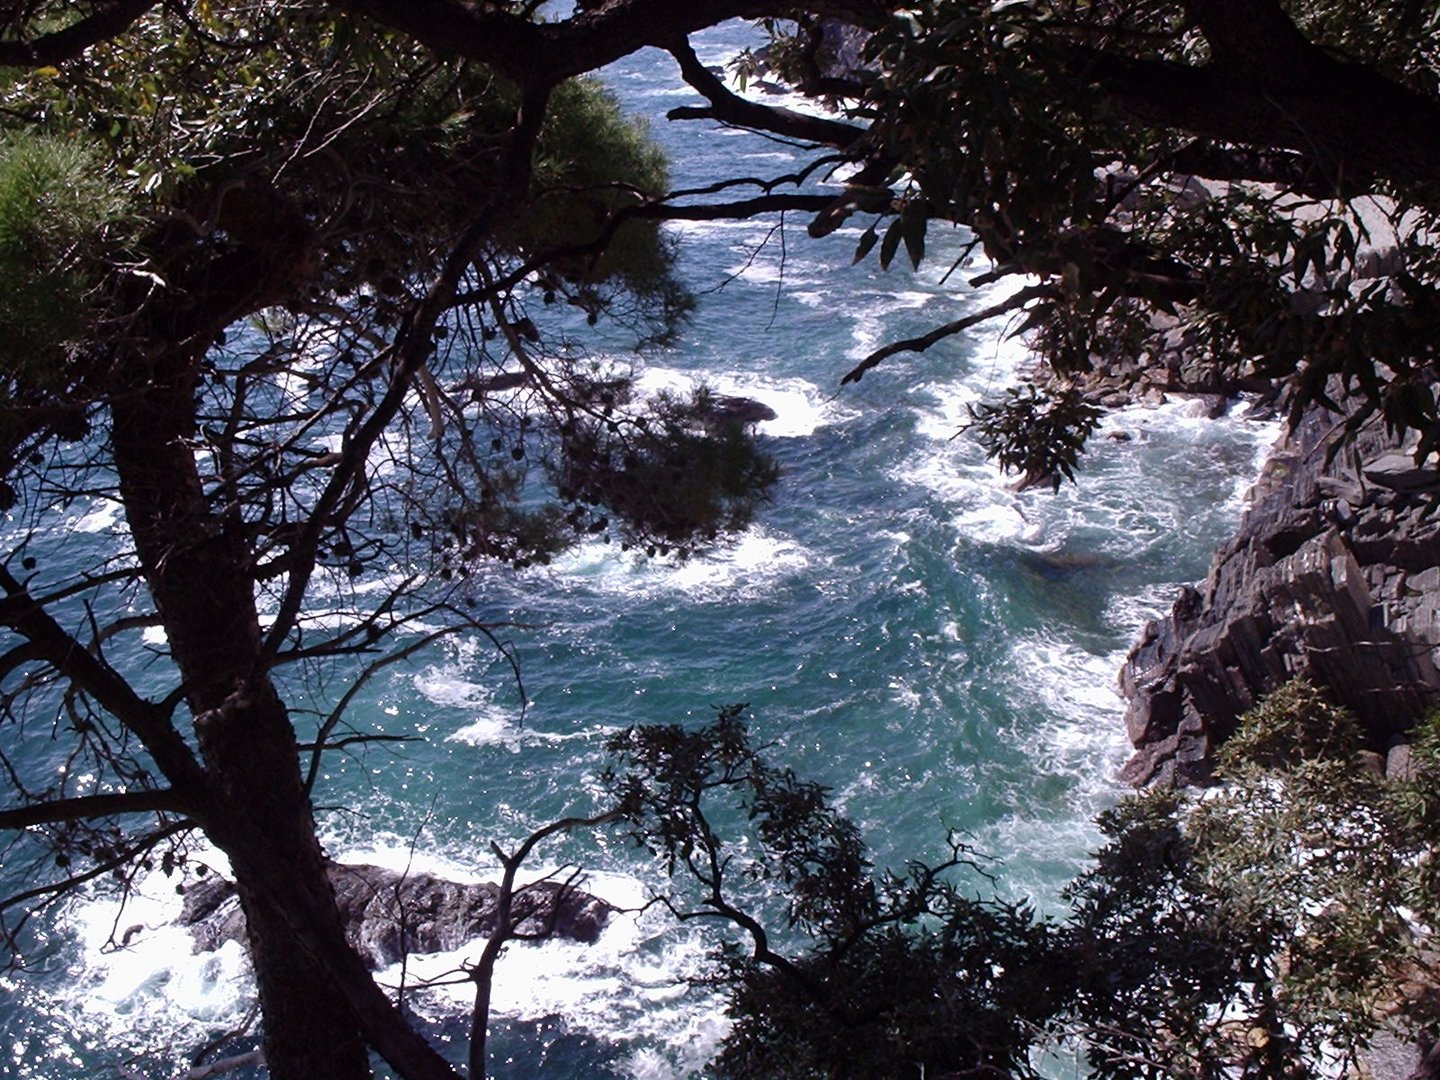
[1334, 574]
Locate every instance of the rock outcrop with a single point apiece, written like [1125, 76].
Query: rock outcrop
[1335, 573]
[389, 915]
[730, 411]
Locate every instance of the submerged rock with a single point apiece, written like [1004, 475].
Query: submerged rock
[389, 915]
[1334, 574]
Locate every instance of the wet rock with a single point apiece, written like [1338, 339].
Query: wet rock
[388, 915]
[1398, 471]
[212, 912]
[725, 409]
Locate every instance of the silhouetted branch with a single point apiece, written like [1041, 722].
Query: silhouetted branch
[94, 806]
[56, 47]
[122, 858]
[920, 344]
[61, 650]
[482, 973]
[730, 108]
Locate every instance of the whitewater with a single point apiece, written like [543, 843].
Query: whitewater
[906, 628]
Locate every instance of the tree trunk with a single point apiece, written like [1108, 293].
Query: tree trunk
[198, 567]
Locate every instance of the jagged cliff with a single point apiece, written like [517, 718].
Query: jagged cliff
[1334, 573]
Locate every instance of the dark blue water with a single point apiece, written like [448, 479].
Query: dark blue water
[937, 648]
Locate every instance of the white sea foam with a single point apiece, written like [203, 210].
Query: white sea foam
[630, 988]
[136, 985]
[1128, 612]
[1131, 493]
[1075, 753]
[801, 406]
[742, 569]
[987, 513]
[497, 727]
[699, 230]
[870, 328]
[761, 270]
[133, 983]
[1073, 685]
[104, 515]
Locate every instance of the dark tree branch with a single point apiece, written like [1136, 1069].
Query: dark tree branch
[1253, 34]
[868, 190]
[100, 869]
[919, 895]
[1287, 169]
[741, 208]
[507, 927]
[27, 652]
[322, 737]
[410, 351]
[545, 54]
[94, 806]
[657, 210]
[920, 344]
[149, 722]
[1347, 118]
[55, 48]
[732, 109]
[360, 739]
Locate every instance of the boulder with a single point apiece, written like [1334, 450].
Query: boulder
[726, 410]
[388, 915]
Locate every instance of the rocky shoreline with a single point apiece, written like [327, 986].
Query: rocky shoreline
[1334, 573]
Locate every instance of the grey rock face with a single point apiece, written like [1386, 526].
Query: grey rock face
[389, 915]
[1334, 574]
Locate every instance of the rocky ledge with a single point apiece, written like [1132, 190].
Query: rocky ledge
[1334, 574]
[388, 915]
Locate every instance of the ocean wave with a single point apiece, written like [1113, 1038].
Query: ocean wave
[741, 569]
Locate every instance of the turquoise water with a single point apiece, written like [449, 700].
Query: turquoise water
[938, 649]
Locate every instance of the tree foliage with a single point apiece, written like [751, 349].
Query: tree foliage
[303, 296]
[879, 974]
[1269, 930]
[1251, 184]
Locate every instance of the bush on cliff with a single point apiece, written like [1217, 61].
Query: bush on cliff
[1269, 930]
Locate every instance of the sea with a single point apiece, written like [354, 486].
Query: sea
[906, 627]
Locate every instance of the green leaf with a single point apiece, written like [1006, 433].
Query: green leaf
[891, 243]
[866, 245]
[913, 226]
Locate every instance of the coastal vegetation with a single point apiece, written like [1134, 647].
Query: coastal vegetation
[1271, 930]
[297, 284]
